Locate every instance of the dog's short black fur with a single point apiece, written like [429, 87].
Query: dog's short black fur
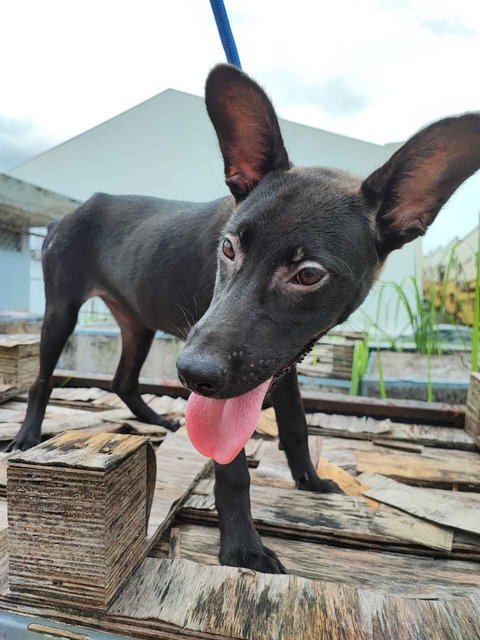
[290, 255]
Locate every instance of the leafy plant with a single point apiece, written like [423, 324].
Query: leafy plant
[361, 351]
[429, 378]
[422, 318]
[381, 379]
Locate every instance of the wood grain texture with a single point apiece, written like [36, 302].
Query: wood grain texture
[265, 606]
[434, 468]
[472, 415]
[391, 573]
[366, 428]
[73, 449]
[424, 412]
[18, 359]
[77, 523]
[339, 519]
[453, 509]
[179, 466]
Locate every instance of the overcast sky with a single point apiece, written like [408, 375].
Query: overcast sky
[371, 69]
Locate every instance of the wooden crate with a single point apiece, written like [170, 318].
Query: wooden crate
[472, 414]
[19, 359]
[78, 508]
[330, 359]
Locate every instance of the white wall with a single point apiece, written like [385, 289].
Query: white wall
[166, 147]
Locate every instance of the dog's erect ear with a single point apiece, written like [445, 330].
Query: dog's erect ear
[411, 188]
[246, 126]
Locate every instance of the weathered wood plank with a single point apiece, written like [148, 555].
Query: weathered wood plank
[435, 413]
[366, 428]
[389, 617]
[389, 572]
[179, 466]
[73, 449]
[240, 604]
[273, 468]
[342, 519]
[3, 514]
[417, 411]
[453, 509]
[347, 483]
[435, 468]
[351, 425]
[472, 416]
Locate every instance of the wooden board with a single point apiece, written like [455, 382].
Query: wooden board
[434, 468]
[472, 417]
[372, 429]
[273, 470]
[179, 466]
[345, 520]
[453, 509]
[299, 608]
[236, 603]
[79, 450]
[417, 411]
[392, 573]
[3, 515]
[57, 420]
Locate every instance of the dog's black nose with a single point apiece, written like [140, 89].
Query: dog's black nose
[201, 373]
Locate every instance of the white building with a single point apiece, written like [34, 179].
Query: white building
[166, 147]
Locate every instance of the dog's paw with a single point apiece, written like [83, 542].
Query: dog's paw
[22, 443]
[171, 425]
[258, 558]
[318, 485]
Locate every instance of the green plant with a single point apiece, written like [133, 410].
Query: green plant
[422, 318]
[429, 378]
[361, 351]
[381, 379]
[452, 256]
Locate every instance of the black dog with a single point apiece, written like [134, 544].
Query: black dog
[289, 256]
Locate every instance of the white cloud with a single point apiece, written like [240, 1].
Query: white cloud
[391, 66]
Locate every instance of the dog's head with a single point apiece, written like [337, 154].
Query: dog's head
[304, 245]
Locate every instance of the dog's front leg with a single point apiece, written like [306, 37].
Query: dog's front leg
[240, 543]
[293, 432]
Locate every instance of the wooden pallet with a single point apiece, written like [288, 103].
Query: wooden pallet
[401, 562]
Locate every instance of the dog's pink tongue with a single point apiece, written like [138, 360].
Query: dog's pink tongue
[221, 428]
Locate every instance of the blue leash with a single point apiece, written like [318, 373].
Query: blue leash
[225, 32]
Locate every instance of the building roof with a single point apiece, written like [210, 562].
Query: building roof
[166, 147]
[25, 205]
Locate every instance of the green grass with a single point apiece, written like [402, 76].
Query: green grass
[381, 379]
[361, 351]
[429, 378]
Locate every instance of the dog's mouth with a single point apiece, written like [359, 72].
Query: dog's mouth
[220, 429]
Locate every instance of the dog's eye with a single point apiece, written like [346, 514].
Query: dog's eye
[228, 250]
[309, 276]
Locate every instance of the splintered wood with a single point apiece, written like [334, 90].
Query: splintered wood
[18, 360]
[77, 517]
[472, 414]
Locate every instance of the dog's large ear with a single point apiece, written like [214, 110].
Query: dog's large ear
[246, 126]
[411, 188]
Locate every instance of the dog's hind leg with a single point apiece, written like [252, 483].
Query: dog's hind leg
[58, 325]
[293, 432]
[136, 343]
